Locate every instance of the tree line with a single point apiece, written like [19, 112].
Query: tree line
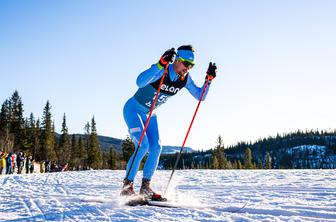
[310, 149]
[214, 158]
[37, 138]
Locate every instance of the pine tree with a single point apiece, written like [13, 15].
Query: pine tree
[105, 160]
[74, 151]
[254, 165]
[260, 165]
[215, 162]
[47, 137]
[33, 136]
[64, 145]
[37, 135]
[81, 154]
[220, 155]
[127, 148]
[235, 165]
[53, 132]
[5, 116]
[30, 126]
[248, 159]
[239, 164]
[268, 161]
[86, 142]
[229, 165]
[192, 166]
[112, 161]
[6, 138]
[17, 122]
[94, 156]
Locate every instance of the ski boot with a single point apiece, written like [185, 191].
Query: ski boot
[128, 189]
[148, 192]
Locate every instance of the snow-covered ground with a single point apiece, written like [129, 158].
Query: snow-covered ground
[208, 195]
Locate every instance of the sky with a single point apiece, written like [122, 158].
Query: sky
[276, 64]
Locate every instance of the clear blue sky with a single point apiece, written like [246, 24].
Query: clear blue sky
[276, 63]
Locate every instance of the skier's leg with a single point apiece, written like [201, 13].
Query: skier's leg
[154, 148]
[135, 124]
[152, 160]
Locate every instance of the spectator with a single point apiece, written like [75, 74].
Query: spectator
[42, 167]
[2, 161]
[65, 167]
[20, 161]
[28, 163]
[52, 167]
[9, 163]
[31, 168]
[47, 166]
[13, 161]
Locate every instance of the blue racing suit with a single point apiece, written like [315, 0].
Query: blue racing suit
[136, 112]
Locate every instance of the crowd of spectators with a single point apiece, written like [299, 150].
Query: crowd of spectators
[19, 163]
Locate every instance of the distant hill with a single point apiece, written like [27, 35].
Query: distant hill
[107, 142]
[309, 149]
[174, 149]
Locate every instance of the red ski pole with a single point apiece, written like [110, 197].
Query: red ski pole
[185, 139]
[148, 118]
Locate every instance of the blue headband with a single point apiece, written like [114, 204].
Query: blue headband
[186, 55]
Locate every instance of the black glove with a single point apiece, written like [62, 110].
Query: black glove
[211, 73]
[167, 57]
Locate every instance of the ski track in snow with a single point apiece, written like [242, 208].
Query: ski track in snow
[271, 195]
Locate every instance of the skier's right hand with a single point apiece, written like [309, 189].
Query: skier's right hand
[167, 57]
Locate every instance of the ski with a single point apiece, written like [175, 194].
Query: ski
[162, 204]
[139, 200]
[169, 204]
[238, 209]
[136, 200]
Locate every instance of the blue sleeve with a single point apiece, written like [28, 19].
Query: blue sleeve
[150, 75]
[196, 91]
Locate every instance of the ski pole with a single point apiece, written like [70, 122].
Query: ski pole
[148, 118]
[185, 139]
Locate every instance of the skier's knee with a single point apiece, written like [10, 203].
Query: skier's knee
[136, 137]
[143, 149]
[156, 150]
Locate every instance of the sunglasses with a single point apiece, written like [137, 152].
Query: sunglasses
[188, 64]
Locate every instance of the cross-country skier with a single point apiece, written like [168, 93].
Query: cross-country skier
[137, 108]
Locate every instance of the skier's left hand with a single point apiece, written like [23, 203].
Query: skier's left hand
[211, 73]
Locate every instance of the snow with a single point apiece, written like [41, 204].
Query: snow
[205, 195]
